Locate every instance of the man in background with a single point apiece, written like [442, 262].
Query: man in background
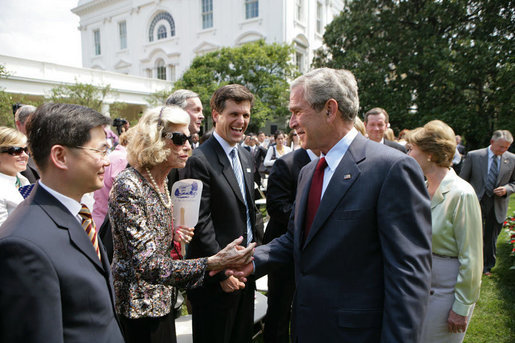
[376, 123]
[491, 171]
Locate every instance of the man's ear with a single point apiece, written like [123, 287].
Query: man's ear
[215, 115]
[331, 108]
[59, 156]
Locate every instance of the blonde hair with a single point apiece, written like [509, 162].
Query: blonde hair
[11, 137]
[126, 136]
[358, 124]
[147, 147]
[436, 139]
[388, 134]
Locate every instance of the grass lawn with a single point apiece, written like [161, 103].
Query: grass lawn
[493, 320]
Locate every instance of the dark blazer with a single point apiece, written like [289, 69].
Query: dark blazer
[363, 274]
[31, 173]
[53, 287]
[475, 171]
[258, 156]
[222, 216]
[281, 190]
[395, 145]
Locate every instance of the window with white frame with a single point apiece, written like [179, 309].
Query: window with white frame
[299, 10]
[251, 9]
[164, 22]
[122, 28]
[207, 14]
[300, 61]
[96, 39]
[160, 69]
[320, 24]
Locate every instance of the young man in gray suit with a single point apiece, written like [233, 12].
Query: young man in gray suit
[360, 233]
[55, 283]
[376, 123]
[491, 171]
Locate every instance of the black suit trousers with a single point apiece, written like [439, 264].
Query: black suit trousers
[491, 230]
[222, 321]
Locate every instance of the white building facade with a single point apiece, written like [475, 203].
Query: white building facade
[159, 39]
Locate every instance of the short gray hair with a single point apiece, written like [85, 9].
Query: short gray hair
[505, 135]
[180, 97]
[23, 113]
[323, 84]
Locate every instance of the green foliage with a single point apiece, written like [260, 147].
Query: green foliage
[424, 60]
[81, 94]
[263, 68]
[158, 98]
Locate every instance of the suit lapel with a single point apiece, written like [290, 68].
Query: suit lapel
[504, 169]
[65, 220]
[301, 201]
[227, 170]
[246, 165]
[342, 180]
[484, 165]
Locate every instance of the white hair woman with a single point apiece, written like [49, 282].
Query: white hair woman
[141, 215]
[456, 235]
[13, 160]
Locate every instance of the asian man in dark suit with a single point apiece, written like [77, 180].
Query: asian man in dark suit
[55, 283]
[281, 191]
[223, 309]
[361, 251]
[491, 171]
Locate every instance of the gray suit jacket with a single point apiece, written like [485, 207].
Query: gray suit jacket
[475, 171]
[53, 287]
[363, 274]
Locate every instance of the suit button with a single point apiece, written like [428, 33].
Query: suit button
[431, 292]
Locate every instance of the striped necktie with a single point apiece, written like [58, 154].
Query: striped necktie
[492, 176]
[89, 226]
[238, 172]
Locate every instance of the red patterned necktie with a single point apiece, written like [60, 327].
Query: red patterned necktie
[89, 226]
[315, 193]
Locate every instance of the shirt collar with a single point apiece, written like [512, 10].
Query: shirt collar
[226, 146]
[72, 205]
[7, 178]
[335, 155]
[311, 154]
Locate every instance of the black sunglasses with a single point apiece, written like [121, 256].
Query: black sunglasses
[177, 138]
[15, 150]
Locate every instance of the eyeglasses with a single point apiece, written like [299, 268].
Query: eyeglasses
[15, 150]
[103, 152]
[177, 138]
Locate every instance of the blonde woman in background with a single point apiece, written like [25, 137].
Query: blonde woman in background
[13, 160]
[456, 235]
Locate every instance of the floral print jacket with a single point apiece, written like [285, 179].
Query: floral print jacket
[144, 272]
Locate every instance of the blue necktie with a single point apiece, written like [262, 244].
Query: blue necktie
[238, 172]
[492, 176]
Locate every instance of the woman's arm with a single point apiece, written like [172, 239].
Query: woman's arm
[268, 162]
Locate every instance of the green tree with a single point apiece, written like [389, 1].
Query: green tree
[6, 118]
[263, 68]
[426, 59]
[81, 94]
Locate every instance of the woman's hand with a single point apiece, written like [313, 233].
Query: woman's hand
[184, 234]
[232, 255]
[456, 322]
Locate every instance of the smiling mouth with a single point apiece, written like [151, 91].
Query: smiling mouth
[237, 129]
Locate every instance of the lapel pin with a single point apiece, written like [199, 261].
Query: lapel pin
[248, 170]
[347, 176]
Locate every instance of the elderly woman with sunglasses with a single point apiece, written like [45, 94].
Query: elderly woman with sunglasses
[141, 214]
[13, 160]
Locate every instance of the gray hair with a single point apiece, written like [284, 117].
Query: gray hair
[23, 113]
[323, 84]
[505, 135]
[180, 97]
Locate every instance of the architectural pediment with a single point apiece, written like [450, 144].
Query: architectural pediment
[247, 37]
[205, 47]
[122, 64]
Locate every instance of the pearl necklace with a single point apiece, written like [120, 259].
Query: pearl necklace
[154, 184]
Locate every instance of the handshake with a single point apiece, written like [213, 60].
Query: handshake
[237, 263]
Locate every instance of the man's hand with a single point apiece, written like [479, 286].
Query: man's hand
[456, 323]
[500, 191]
[231, 284]
[241, 272]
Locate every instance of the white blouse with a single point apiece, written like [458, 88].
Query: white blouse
[10, 197]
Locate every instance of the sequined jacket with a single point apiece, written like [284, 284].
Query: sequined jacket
[144, 272]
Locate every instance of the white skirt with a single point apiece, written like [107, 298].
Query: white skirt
[443, 280]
